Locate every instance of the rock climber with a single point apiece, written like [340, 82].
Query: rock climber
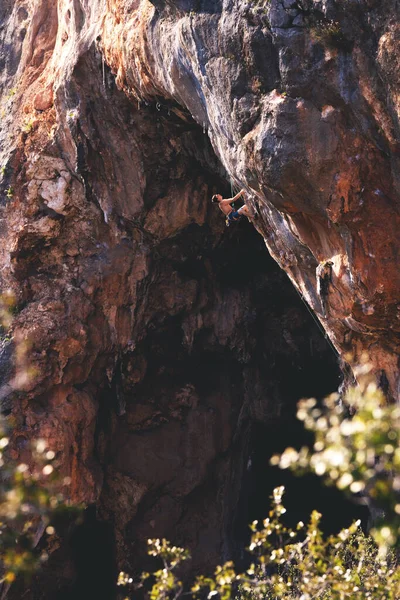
[228, 210]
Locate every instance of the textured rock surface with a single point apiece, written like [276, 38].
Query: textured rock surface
[156, 336]
[307, 120]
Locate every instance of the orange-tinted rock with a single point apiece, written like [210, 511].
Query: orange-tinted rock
[43, 100]
[158, 338]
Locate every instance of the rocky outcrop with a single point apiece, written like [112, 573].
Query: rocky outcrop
[300, 102]
[156, 336]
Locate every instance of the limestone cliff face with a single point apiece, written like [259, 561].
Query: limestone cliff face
[157, 336]
[300, 101]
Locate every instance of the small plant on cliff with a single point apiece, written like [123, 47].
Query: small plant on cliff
[356, 448]
[257, 12]
[28, 125]
[261, 3]
[329, 33]
[9, 193]
[256, 85]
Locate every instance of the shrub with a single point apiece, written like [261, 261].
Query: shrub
[357, 449]
[30, 497]
[329, 33]
[29, 504]
[288, 564]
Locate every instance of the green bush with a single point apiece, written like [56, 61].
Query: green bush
[329, 33]
[30, 497]
[288, 564]
[29, 504]
[357, 449]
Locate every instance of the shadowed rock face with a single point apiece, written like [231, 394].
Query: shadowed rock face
[157, 337]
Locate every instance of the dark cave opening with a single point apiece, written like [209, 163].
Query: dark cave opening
[92, 547]
[83, 566]
[296, 361]
[278, 354]
[314, 373]
[240, 260]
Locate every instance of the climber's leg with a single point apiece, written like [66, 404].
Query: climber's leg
[244, 211]
[233, 216]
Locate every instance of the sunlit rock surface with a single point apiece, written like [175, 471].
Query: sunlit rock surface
[157, 336]
[300, 102]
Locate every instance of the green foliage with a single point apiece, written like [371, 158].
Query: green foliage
[261, 3]
[256, 13]
[28, 125]
[357, 448]
[329, 34]
[30, 497]
[260, 8]
[163, 582]
[288, 564]
[9, 193]
[301, 563]
[29, 502]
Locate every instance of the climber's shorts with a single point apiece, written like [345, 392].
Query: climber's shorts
[233, 216]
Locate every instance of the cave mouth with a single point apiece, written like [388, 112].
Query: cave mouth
[302, 494]
[240, 261]
[279, 344]
[313, 372]
[205, 484]
[92, 547]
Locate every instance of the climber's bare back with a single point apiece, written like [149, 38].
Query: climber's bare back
[225, 206]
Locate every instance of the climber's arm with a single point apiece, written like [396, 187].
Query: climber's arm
[238, 195]
[230, 200]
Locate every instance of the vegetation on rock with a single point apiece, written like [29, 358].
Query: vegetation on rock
[30, 503]
[31, 500]
[356, 448]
